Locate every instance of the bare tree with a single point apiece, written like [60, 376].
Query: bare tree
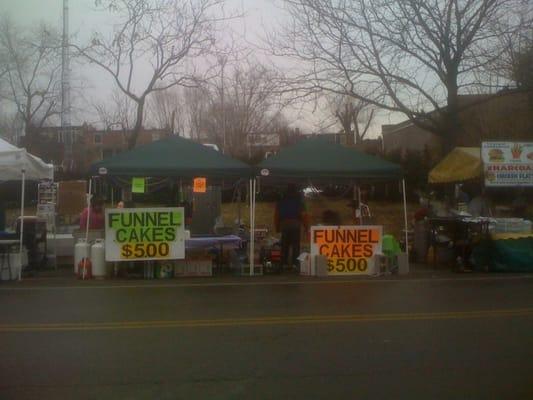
[150, 49]
[415, 54]
[119, 110]
[245, 107]
[10, 126]
[522, 68]
[354, 115]
[166, 110]
[513, 65]
[197, 104]
[30, 73]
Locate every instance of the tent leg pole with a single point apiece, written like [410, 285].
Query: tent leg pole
[254, 183]
[255, 188]
[405, 218]
[252, 225]
[22, 195]
[87, 227]
[250, 244]
[239, 217]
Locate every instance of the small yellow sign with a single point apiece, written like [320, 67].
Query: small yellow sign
[145, 250]
[199, 185]
[137, 185]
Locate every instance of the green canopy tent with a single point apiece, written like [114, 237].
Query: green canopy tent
[172, 157]
[317, 160]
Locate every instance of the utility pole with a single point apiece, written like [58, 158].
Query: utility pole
[65, 93]
[222, 60]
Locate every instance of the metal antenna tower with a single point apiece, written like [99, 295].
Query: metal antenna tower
[65, 92]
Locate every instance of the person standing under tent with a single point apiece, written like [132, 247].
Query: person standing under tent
[479, 206]
[289, 218]
[97, 218]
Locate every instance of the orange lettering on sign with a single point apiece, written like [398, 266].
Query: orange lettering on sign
[199, 185]
[345, 236]
[349, 250]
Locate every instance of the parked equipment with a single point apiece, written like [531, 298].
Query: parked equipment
[81, 250]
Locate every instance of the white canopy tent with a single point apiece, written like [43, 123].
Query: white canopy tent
[17, 164]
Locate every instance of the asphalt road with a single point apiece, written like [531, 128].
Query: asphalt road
[296, 339]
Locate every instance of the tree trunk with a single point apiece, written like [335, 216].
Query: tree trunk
[138, 124]
[451, 123]
[347, 124]
[173, 118]
[358, 138]
[28, 123]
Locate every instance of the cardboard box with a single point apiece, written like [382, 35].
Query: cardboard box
[321, 266]
[72, 197]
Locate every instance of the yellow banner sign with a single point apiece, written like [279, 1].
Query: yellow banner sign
[350, 250]
[144, 234]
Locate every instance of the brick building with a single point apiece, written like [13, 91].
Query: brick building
[507, 115]
[89, 145]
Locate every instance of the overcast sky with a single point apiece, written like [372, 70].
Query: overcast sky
[84, 19]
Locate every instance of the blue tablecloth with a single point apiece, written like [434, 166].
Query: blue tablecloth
[210, 241]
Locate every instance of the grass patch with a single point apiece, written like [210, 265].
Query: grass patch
[387, 214]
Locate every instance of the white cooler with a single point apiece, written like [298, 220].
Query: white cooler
[15, 262]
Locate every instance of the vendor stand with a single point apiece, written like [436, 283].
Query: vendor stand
[459, 235]
[180, 160]
[315, 160]
[496, 244]
[510, 249]
[18, 165]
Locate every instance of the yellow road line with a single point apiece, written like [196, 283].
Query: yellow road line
[281, 320]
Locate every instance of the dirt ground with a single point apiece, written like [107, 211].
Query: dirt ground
[388, 214]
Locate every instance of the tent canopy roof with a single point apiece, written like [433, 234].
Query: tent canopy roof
[316, 158]
[13, 160]
[173, 157]
[461, 164]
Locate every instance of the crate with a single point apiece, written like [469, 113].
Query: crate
[196, 267]
[260, 234]
[244, 270]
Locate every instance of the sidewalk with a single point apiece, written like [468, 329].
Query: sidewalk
[64, 276]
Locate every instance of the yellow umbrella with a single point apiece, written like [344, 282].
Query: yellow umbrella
[461, 164]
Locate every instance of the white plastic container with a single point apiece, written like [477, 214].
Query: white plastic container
[15, 263]
[81, 250]
[98, 258]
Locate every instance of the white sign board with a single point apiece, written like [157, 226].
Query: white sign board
[144, 234]
[507, 164]
[349, 249]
